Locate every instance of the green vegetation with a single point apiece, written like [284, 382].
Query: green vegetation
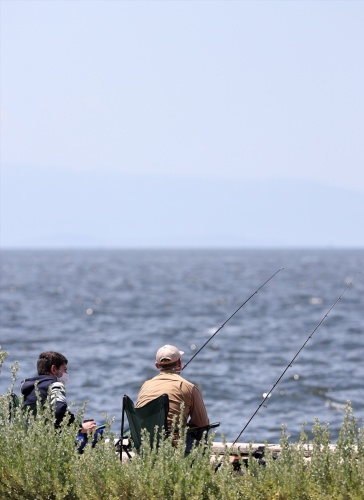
[39, 462]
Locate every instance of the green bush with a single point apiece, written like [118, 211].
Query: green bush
[38, 461]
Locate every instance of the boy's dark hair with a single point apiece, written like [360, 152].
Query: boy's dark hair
[49, 358]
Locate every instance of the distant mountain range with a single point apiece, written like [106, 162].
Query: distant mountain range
[64, 208]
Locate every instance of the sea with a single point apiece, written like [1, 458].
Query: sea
[287, 353]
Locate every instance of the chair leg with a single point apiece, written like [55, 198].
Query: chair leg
[122, 430]
[122, 448]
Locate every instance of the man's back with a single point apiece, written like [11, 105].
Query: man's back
[180, 391]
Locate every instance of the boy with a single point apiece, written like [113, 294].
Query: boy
[52, 378]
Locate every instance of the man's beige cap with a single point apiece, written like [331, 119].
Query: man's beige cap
[168, 354]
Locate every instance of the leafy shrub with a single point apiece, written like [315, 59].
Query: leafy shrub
[38, 461]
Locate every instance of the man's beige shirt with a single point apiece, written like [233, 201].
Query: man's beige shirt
[179, 391]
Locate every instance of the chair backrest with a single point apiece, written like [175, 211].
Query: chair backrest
[13, 404]
[152, 417]
[15, 400]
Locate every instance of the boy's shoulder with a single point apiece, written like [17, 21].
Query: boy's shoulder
[57, 386]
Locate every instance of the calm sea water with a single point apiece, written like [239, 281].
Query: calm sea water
[109, 311]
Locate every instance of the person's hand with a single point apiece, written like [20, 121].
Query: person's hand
[88, 426]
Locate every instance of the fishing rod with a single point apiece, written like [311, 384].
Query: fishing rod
[238, 309]
[268, 394]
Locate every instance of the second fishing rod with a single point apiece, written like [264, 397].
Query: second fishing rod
[269, 393]
[229, 318]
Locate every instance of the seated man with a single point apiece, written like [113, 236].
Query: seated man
[179, 390]
[51, 380]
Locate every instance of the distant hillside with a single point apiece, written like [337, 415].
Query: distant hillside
[63, 208]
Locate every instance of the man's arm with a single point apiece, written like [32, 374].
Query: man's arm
[198, 413]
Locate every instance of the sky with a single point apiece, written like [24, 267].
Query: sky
[190, 92]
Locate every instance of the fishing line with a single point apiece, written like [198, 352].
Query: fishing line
[268, 394]
[222, 326]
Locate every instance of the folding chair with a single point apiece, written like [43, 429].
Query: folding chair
[152, 417]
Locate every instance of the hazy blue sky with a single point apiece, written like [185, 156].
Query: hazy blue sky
[229, 90]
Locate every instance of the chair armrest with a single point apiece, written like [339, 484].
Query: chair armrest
[203, 428]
